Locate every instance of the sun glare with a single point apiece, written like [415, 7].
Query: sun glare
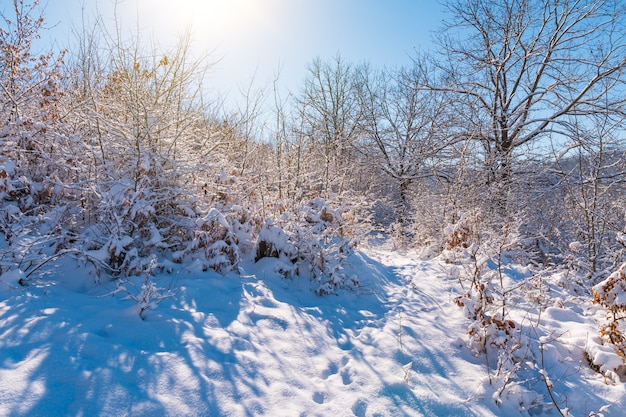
[211, 22]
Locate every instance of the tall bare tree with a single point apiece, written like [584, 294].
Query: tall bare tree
[404, 124]
[591, 172]
[331, 118]
[517, 70]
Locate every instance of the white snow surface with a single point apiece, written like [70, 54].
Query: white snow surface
[257, 344]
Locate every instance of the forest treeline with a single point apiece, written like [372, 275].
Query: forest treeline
[507, 139]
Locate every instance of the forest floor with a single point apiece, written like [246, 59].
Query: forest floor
[258, 344]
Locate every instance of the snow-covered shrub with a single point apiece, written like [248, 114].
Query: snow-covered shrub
[135, 221]
[123, 215]
[274, 243]
[321, 246]
[215, 243]
[462, 233]
[314, 242]
[501, 342]
[148, 296]
[611, 294]
[215, 235]
[30, 240]
[245, 225]
[606, 360]
[225, 190]
[41, 212]
[490, 281]
[489, 332]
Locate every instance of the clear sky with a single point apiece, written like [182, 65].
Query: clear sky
[252, 38]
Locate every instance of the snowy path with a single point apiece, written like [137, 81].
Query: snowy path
[244, 346]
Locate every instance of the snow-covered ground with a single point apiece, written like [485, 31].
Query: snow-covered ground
[258, 344]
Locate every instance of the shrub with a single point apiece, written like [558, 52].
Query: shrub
[314, 241]
[461, 234]
[214, 244]
[322, 248]
[611, 294]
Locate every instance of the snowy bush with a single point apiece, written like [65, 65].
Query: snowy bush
[220, 240]
[216, 242]
[611, 294]
[146, 297]
[606, 360]
[245, 227]
[123, 217]
[30, 240]
[462, 233]
[314, 242]
[137, 221]
[489, 332]
[321, 246]
[274, 243]
[490, 280]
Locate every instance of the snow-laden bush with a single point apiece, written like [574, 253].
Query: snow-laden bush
[29, 240]
[462, 233]
[135, 221]
[215, 243]
[148, 296]
[314, 240]
[611, 294]
[221, 239]
[125, 220]
[489, 332]
[274, 243]
[606, 360]
[245, 226]
[322, 247]
[483, 255]
[138, 219]
[41, 213]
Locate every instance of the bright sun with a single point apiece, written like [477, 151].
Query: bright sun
[212, 22]
[242, 37]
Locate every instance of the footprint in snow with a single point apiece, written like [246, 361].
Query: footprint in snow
[331, 369]
[344, 342]
[360, 407]
[318, 397]
[346, 378]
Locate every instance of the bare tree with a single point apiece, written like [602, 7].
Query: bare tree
[331, 117]
[516, 70]
[591, 170]
[405, 126]
[25, 77]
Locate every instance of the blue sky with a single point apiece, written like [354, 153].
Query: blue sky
[252, 38]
